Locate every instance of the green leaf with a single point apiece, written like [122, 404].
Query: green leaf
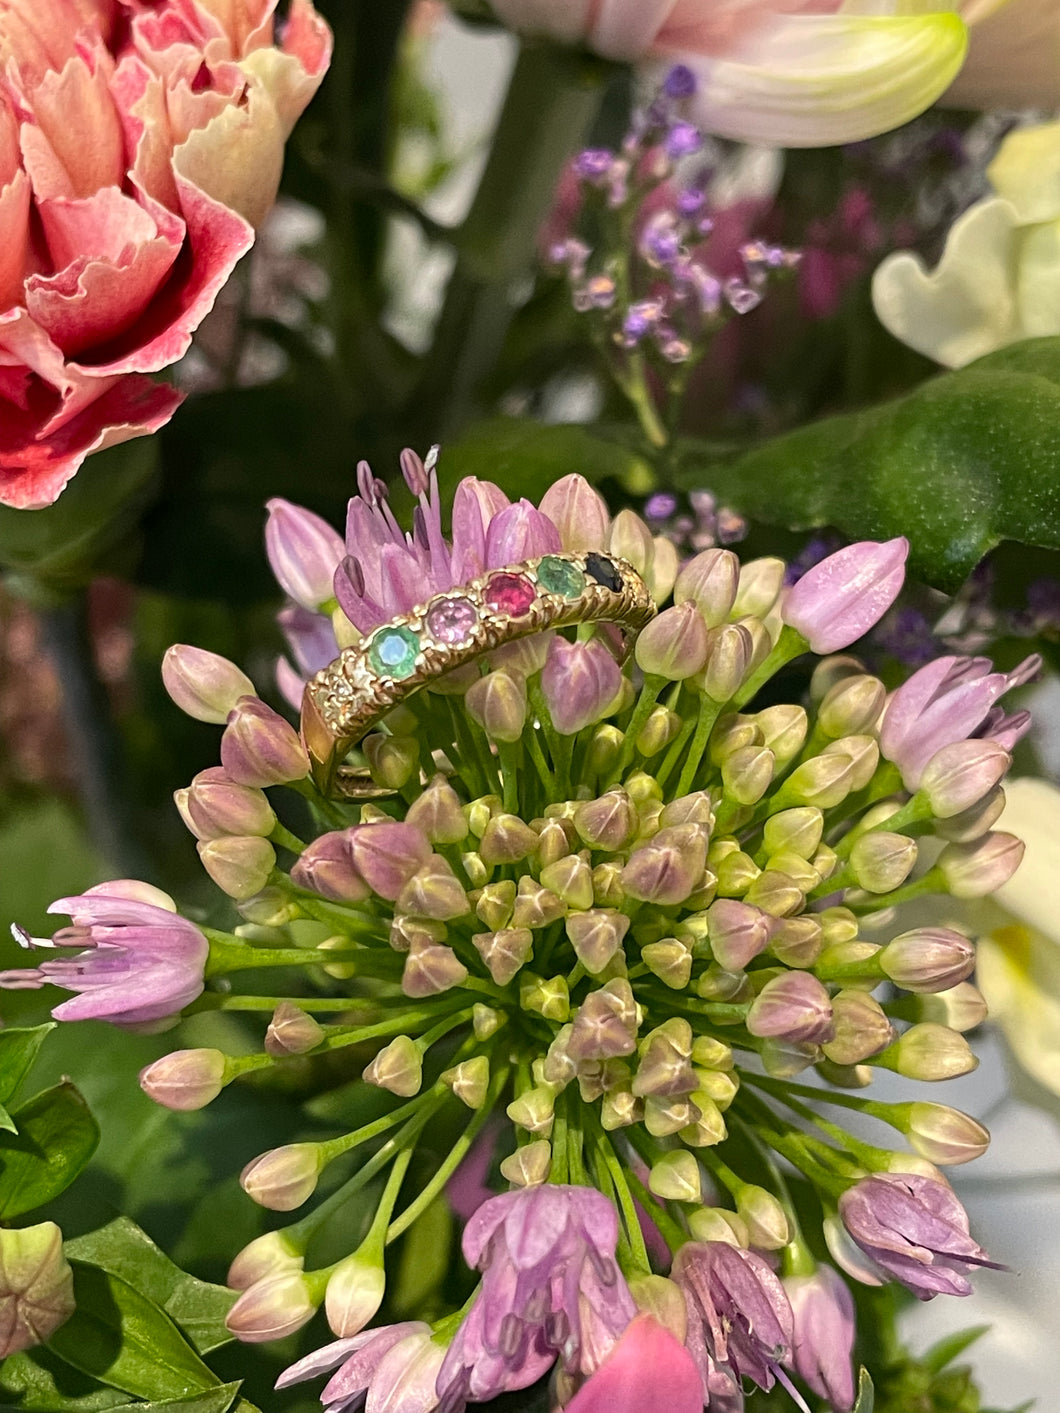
[124, 1339]
[866, 1396]
[214, 1400]
[18, 1050]
[39, 1379]
[56, 1137]
[963, 462]
[124, 1250]
[951, 1347]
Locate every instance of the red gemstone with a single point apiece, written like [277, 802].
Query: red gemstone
[509, 593]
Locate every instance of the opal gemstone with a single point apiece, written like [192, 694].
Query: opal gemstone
[559, 576]
[393, 652]
[600, 568]
[509, 593]
[452, 621]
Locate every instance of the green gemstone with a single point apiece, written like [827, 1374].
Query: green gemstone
[559, 576]
[393, 652]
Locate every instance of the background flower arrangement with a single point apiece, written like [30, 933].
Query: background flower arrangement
[617, 947]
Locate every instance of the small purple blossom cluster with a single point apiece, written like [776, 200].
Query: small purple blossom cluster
[597, 920]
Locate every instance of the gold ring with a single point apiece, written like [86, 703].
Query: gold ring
[392, 662]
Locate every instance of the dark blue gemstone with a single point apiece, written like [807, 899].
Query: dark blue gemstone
[600, 568]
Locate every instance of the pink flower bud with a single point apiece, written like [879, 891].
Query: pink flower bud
[36, 1286]
[605, 1024]
[674, 644]
[304, 552]
[387, 854]
[397, 1067]
[498, 703]
[354, 1294]
[709, 581]
[239, 865]
[596, 936]
[291, 1031]
[793, 1006]
[928, 959]
[841, 598]
[943, 1135]
[273, 1308]
[669, 868]
[580, 681]
[505, 951]
[185, 1079]
[260, 748]
[958, 777]
[283, 1178]
[731, 651]
[434, 891]
[203, 684]
[274, 1254]
[610, 822]
[507, 839]
[737, 933]
[578, 512]
[326, 867]
[216, 806]
[976, 869]
[430, 969]
[437, 813]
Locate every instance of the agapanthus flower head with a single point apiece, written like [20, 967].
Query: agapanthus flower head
[141, 963]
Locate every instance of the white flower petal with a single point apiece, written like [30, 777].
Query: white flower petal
[1026, 171]
[1039, 281]
[813, 80]
[1018, 972]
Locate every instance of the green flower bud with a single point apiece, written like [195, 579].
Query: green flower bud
[930, 1051]
[851, 706]
[661, 727]
[670, 960]
[620, 1108]
[528, 1166]
[397, 1067]
[556, 838]
[570, 879]
[796, 941]
[733, 732]
[961, 1007]
[845, 1076]
[716, 984]
[943, 1135]
[716, 1224]
[776, 894]
[735, 872]
[495, 903]
[861, 1028]
[239, 865]
[794, 831]
[642, 787]
[795, 867]
[392, 760]
[783, 729]
[784, 1059]
[549, 998]
[485, 1021]
[498, 703]
[764, 1217]
[676, 1177]
[708, 1128]
[711, 1054]
[663, 1117]
[710, 581]
[881, 861]
[663, 1300]
[479, 813]
[283, 1178]
[748, 773]
[830, 671]
[674, 644]
[434, 891]
[596, 935]
[505, 951]
[730, 653]
[533, 1110]
[720, 1086]
[36, 1286]
[664, 1068]
[838, 926]
[608, 891]
[761, 581]
[437, 813]
[604, 748]
[507, 839]
[823, 782]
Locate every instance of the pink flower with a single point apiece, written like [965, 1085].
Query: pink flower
[142, 963]
[845, 595]
[140, 145]
[395, 1366]
[648, 1368]
[824, 1334]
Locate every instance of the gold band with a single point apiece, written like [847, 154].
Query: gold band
[401, 657]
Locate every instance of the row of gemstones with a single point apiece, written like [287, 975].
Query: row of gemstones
[453, 620]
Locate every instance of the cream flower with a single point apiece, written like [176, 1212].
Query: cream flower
[999, 277]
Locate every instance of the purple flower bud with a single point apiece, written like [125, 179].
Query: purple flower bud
[580, 681]
[217, 806]
[957, 777]
[203, 684]
[792, 1006]
[915, 1230]
[36, 1286]
[498, 703]
[240, 865]
[605, 1024]
[842, 597]
[737, 933]
[823, 1309]
[674, 644]
[928, 959]
[185, 1079]
[430, 969]
[260, 748]
[668, 868]
[973, 870]
[387, 854]
[291, 1031]
[326, 867]
[304, 552]
[593, 164]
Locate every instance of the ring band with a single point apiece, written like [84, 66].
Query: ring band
[456, 626]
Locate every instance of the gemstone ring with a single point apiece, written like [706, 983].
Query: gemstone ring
[452, 628]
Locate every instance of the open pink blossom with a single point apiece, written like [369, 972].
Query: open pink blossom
[140, 146]
[648, 1368]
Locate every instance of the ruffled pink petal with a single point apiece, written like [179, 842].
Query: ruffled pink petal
[647, 1368]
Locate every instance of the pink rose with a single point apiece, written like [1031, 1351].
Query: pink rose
[140, 145]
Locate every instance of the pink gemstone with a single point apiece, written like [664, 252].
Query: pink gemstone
[452, 621]
[509, 593]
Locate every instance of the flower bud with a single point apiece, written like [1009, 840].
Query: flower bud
[831, 670]
[664, 1067]
[732, 732]
[784, 1059]
[529, 1165]
[842, 597]
[610, 822]
[760, 583]
[430, 969]
[794, 831]
[185, 1079]
[387, 855]
[354, 1293]
[845, 1076]
[862, 751]
[596, 936]
[943, 1135]
[603, 751]
[709, 580]
[555, 837]
[670, 960]
[437, 814]
[929, 1051]
[507, 839]
[823, 782]
[734, 870]
[580, 682]
[976, 869]
[326, 867]
[661, 727]
[716, 1224]
[731, 650]
[485, 1021]
[747, 774]
[737, 933]
[505, 951]
[861, 1028]
[676, 1177]
[392, 760]
[607, 885]
[36, 1286]
[851, 706]
[716, 984]
[533, 1110]
[434, 891]
[775, 893]
[707, 1128]
[957, 777]
[260, 748]
[570, 879]
[783, 729]
[973, 823]
[397, 1067]
[663, 1116]
[793, 1006]
[839, 926]
[666, 870]
[881, 861]
[240, 866]
[495, 902]
[674, 645]
[549, 998]
[469, 1081]
[304, 552]
[961, 1008]
[204, 685]
[536, 906]
[719, 1085]
[274, 1254]
[764, 1217]
[291, 1031]
[498, 703]
[605, 1024]
[631, 539]
[273, 1308]
[283, 1178]
[216, 806]
[928, 959]
[663, 1300]
[578, 512]
[662, 572]
[620, 1108]
[796, 941]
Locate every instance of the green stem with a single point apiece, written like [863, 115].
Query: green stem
[709, 711]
